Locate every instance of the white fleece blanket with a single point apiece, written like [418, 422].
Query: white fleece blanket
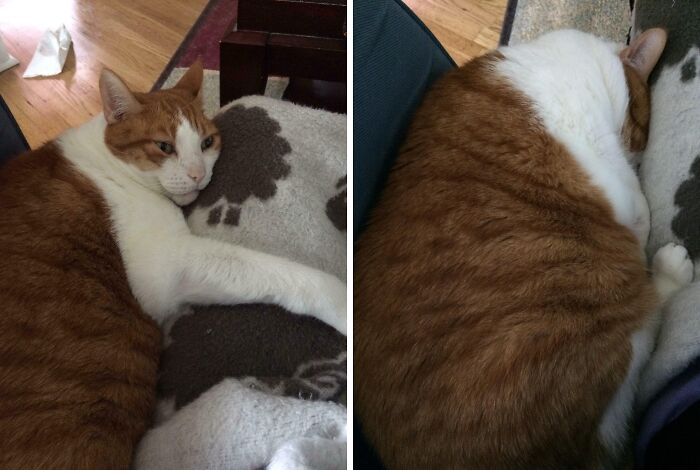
[249, 386]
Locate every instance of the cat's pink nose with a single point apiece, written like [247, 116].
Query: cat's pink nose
[196, 173]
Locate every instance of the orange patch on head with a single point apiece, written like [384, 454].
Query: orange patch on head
[638, 60]
[138, 122]
[635, 130]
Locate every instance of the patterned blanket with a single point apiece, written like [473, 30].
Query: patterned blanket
[668, 400]
[669, 395]
[244, 386]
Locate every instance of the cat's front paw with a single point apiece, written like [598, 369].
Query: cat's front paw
[673, 269]
[672, 260]
[334, 309]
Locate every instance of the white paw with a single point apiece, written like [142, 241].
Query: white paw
[672, 262]
[335, 312]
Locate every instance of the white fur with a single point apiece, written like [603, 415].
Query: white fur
[672, 270]
[177, 174]
[615, 425]
[292, 224]
[577, 85]
[234, 427]
[311, 453]
[166, 265]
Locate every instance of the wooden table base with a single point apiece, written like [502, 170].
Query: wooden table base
[249, 57]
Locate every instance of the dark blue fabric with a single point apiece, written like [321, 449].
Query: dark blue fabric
[676, 445]
[395, 60]
[364, 457]
[12, 140]
[661, 434]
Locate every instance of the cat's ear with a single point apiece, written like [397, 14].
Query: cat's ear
[117, 99]
[192, 80]
[644, 51]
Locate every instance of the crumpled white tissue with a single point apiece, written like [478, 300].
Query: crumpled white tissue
[6, 60]
[50, 54]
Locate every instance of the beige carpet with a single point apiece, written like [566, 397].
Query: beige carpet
[607, 18]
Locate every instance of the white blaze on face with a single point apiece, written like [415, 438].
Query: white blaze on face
[184, 173]
[190, 169]
[189, 152]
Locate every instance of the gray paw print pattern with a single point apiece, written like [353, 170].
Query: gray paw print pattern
[231, 214]
[687, 199]
[261, 344]
[251, 162]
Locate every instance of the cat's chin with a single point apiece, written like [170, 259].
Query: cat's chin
[184, 199]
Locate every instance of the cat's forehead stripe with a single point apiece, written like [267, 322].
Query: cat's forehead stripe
[186, 136]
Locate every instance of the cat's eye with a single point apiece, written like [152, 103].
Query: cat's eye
[208, 142]
[165, 147]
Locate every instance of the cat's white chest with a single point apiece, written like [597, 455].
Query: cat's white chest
[614, 177]
[147, 229]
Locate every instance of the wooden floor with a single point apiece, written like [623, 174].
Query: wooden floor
[134, 38]
[466, 28]
[137, 38]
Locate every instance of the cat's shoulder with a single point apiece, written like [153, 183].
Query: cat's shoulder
[44, 170]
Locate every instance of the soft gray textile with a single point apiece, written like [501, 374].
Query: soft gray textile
[670, 175]
[279, 187]
[670, 168]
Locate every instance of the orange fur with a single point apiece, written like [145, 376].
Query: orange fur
[78, 356]
[635, 130]
[495, 293]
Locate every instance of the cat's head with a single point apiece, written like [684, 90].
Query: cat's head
[163, 134]
[638, 61]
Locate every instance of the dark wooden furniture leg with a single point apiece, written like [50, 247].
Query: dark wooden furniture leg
[313, 62]
[331, 96]
[306, 57]
[317, 68]
[243, 65]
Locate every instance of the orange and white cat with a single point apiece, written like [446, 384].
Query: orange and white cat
[503, 308]
[95, 255]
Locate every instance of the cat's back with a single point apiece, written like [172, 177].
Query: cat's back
[78, 357]
[488, 294]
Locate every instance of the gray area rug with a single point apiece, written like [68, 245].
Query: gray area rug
[527, 19]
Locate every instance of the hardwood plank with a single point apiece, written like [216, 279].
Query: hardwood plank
[134, 38]
[466, 28]
[137, 38]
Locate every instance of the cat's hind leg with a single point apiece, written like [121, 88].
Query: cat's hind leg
[672, 270]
